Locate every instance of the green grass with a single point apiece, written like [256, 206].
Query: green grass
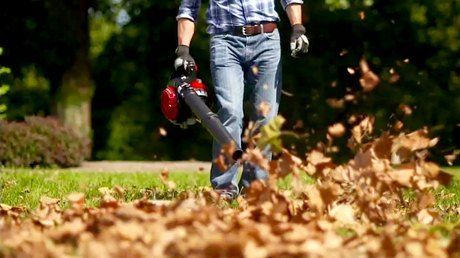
[26, 186]
[448, 198]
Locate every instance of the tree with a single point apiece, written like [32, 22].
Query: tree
[73, 97]
[53, 36]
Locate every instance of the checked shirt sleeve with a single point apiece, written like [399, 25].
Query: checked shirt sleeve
[285, 3]
[189, 10]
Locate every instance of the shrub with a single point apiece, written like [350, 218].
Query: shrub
[40, 141]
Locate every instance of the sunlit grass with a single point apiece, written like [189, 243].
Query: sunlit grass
[24, 187]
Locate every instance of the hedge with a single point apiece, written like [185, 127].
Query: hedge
[40, 141]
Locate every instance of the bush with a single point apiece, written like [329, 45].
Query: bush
[40, 141]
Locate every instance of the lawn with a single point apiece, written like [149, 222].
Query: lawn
[26, 186]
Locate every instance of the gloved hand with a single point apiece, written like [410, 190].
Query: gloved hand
[184, 59]
[299, 42]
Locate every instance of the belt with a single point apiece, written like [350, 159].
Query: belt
[251, 30]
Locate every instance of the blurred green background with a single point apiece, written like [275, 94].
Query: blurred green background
[100, 66]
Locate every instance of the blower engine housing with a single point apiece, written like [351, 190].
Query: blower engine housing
[173, 106]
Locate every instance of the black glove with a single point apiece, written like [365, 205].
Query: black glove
[184, 59]
[299, 42]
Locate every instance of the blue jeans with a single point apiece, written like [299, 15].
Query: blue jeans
[244, 66]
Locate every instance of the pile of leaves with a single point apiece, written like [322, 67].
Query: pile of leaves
[357, 209]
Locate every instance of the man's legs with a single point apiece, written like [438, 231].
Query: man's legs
[228, 78]
[264, 76]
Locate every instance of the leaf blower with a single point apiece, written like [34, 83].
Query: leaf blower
[183, 103]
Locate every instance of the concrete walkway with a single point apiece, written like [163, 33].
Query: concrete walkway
[143, 166]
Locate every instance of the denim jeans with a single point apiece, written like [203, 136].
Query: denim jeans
[244, 67]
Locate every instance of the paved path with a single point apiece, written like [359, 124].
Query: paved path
[143, 166]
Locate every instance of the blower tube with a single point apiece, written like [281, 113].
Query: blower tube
[209, 119]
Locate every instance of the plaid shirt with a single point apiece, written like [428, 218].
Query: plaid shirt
[223, 14]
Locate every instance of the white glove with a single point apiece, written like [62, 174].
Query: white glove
[299, 42]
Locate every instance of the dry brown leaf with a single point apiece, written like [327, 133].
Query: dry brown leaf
[336, 103]
[349, 97]
[404, 174]
[69, 230]
[405, 109]
[255, 157]
[405, 144]
[426, 216]
[104, 191]
[450, 158]
[264, 108]
[343, 213]
[329, 192]
[394, 76]
[365, 127]
[221, 163]
[415, 249]
[77, 200]
[162, 132]
[109, 201]
[315, 200]
[46, 201]
[351, 70]
[316, 157]
[164, 176]
[285, 165]
[5, 207]
[336, 130]
[298, 125]
[251, 250]
[425, 200]
[398, 125]
[369, 80]
[119, 190]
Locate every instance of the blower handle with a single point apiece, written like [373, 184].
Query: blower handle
[183, 74]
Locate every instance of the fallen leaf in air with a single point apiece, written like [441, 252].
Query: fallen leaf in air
[162, 132]
[264, 108]
[336, 130]
[405, 109]
[351, 70]
[369, 80]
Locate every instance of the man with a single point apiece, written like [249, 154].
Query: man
[245, 57]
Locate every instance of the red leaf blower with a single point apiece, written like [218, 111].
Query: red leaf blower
[183, 102]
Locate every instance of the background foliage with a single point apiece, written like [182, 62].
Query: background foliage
[132, 49]
[41, 142]
[4, 87]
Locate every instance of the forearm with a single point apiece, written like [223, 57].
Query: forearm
[294, 12]
[185, 31]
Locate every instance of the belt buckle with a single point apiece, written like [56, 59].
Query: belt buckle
[243, 31]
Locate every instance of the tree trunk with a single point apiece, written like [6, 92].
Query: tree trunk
[73, 97]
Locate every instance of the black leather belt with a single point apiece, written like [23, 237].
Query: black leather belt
[251, 30]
